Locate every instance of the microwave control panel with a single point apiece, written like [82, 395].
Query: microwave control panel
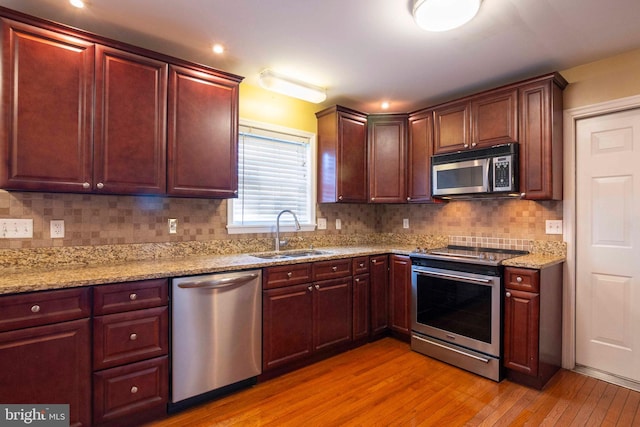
[502, 177]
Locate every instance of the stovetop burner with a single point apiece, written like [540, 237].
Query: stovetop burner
[473, 255]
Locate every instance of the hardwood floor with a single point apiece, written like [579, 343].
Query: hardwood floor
[384, 383]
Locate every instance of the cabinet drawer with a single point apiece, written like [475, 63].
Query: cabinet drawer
[42, 308]
[331, 269]
[522, 279]
[127, 390]
[286, 275]
[119, 297]
[129, 337]
[360, 265]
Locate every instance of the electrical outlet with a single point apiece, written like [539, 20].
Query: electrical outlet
[553, 226]
[405, 223]
[338, 224]
[16, 228]
[56, 228]
[173, 226]
[322, 223]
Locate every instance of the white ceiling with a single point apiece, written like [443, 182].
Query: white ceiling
[365, 51]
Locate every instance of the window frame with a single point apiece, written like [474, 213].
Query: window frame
[270, 228]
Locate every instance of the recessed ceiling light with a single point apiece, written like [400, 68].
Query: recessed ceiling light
[77, 3]
[218, 48]
[385, 105]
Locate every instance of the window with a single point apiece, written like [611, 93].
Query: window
[276, 171]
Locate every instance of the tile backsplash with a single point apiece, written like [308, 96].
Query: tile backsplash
[92, 220]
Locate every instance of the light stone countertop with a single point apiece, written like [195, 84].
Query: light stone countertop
[88, 275]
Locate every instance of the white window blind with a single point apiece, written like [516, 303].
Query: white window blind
[274, 173]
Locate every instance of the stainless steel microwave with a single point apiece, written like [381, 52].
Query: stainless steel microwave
[484, 172]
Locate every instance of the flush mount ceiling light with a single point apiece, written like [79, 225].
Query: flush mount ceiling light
[443, 15]
[284, 85]
[77, 3]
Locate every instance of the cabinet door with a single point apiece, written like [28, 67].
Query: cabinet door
[203, 134]
[379, 277]
[47, 94]
[130, 123]
[420, 150]
[361, 316]
[387, 143]
[494, 119]
[352, 158]
[521, 320]
[451, 127]
[400, 294]
[541, 141]
[287, 325]
[48, 364]
[332, 313]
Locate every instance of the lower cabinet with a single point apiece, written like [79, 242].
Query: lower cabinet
[400, 295]
[361, 299]
[379, 289]
[45, 351]
[533, 324]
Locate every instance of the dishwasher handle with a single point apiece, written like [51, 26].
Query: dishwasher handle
[218, 283]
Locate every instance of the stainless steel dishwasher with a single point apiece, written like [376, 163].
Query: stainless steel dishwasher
[216, 338]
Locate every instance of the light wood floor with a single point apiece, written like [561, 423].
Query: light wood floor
[384, 383]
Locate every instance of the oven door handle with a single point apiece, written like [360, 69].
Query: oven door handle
[453, 276]
[473, 356]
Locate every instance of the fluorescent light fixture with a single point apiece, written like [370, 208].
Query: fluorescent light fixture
[444, 15]
[284, 85]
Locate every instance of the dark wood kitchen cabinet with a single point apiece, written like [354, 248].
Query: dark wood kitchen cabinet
[361, 299]
[419, 152]
[342, 155]
[479, 121]
[379, 287]
[533, 324]
[130, 351]
[541, 144]
[400, 295]
[45, 353]
[202, 134]
[387, 146]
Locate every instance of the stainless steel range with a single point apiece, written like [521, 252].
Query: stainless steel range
[457, 306]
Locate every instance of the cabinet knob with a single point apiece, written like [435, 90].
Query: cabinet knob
[408, 199]
[86, 185]
[133, 337]
[466, 145]
[35, 308]
[100, 186]
[523, 195]
[508, 294]
[339, 197]
[133, 296]
[474, 144]
[310, 288]
[334, 268]
[361, 265]
[356, 280]
[134, 390]
[289, 274]
[373, 199]
[519, 279]
[318, 287]
[373, 261]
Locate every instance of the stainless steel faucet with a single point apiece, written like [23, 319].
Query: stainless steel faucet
[284, 242]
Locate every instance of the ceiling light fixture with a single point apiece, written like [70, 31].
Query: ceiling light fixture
[284, 85]
[77, 3]
[218, 48]
[444, 15]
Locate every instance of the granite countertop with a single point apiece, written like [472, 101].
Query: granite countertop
[29, 280]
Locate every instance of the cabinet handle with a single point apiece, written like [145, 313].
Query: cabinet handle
[373, 198]
[310, 288]
[408, 199]
[133, 296]
[35, 308]
[466, 145]
[356, 280]
[339, 197]
[361, 265]
[373, 261]
[519, 279]
[318, 287]
[100, 186]
[133, 337]
[86, 185]
[474, 144]
[334, 268]
[289, 274]
[508, 294]
[134, 390]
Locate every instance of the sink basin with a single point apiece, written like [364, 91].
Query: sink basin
[290, 254]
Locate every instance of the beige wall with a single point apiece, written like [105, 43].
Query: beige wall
[98, 219]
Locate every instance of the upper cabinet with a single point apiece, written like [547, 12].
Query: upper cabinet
[342, 155]
[86, 114]
[387, 142]
[420, 149]
[475, 122]
[540, 104]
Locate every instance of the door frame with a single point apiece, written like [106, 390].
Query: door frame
[570, 117]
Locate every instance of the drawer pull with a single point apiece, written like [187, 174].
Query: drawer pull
[318, 287]
[508, 294]
[361, 265]
[133, 296]
[310, 288]
[35, 308]
[357, 280]
[519, 279]
[133, 337]
[134, 390]
[334, 268]
[289, 274]
[373, 261]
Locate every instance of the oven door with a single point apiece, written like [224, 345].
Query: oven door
[464, 177]
[457, 307]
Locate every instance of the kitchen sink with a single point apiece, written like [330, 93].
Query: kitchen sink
[290, 254]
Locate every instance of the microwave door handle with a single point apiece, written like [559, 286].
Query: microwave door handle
[488, 184]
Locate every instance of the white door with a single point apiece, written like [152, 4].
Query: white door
[608, 243]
